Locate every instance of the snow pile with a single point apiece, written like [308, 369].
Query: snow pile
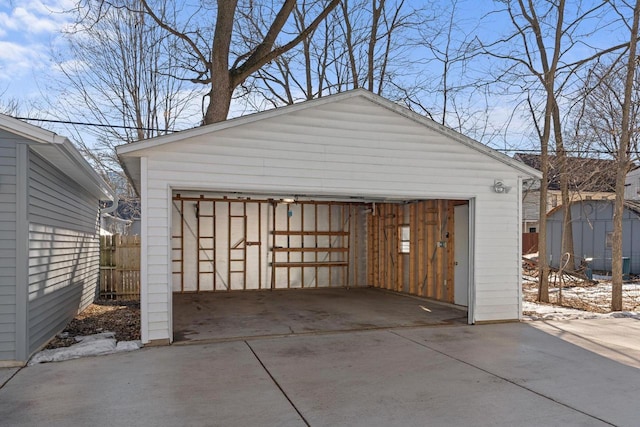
[534, 311]
[90, 345]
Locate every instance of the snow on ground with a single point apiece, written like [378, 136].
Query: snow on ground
[90, 345]
[596, 298]
[535, 311]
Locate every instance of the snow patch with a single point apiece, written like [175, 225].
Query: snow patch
[89, 345]
[534, 311]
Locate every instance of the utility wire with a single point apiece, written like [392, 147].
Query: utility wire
[67, 122]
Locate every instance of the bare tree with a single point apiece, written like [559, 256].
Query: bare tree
[361, 44]
[541, 53]
[119, 72]
[214, 58]
[623, 156]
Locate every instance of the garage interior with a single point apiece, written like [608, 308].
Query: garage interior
[362, 264]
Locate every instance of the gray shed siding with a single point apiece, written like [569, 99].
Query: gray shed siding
[63, 250]
[7, 247]
[592, 221]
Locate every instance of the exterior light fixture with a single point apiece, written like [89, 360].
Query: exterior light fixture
[500, 187]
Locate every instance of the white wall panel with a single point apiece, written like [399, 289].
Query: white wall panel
[348, 148]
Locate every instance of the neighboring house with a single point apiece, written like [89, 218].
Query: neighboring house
[592, 232]
[228, 206]
[632, 185]
[49, 229]
[124, 220]
[589, 179]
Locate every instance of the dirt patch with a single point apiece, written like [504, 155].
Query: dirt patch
[120, 317]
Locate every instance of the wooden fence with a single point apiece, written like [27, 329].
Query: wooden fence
[529, 243]
[120, 267]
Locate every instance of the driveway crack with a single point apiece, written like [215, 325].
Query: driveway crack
[284, 393]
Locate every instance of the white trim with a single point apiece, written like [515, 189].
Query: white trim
[169, 260]
[29, 131]
[144, 285]
[519, 249]
[60, 151]
[471, 305]
[328, 194]
[22, 252]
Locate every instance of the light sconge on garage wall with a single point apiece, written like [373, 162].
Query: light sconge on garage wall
[500, 187]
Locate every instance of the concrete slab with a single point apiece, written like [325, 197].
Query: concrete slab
[382, 379]
[617, 339]
[490, 375]
[6, 374]
[217, 316]
[544, 364]
[220, 385]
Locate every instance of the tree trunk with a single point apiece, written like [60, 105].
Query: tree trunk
[622, 161]
[221, 87]
[543, 260]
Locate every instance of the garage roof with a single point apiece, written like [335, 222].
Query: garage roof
[129, 154]
[61, 153]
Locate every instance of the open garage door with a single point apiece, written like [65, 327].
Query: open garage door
[221, 243]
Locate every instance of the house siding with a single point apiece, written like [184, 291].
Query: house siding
[8, 259]
[63, 250]
[592, 221]
[349, 148]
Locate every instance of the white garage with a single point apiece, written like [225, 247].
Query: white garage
[346, 191]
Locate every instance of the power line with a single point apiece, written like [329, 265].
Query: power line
[68, 122]
[520, 150]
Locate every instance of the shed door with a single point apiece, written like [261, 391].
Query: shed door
[461, 245]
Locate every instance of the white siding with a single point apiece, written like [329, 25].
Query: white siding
[63, 250]
[7, 248]
[348, 148]
[632, 185]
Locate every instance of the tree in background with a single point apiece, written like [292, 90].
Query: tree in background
[223, 52]
[361, 44]
[120, 72]
[543, 55]
[623, 156]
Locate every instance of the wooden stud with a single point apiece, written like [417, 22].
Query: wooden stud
[431, 247]
[354, 223]
[450, 253]
[400, 256]
[413, 246]
[214, 255]
[302, 245]
[273, 246]
[421, 248]
[182, 246]
[259, 245]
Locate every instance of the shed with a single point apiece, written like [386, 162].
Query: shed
[349, 190]
[49, 228]
[592, 222]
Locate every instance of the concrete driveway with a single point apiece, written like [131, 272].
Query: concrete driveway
[490, 375]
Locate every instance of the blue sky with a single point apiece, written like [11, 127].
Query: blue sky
[28, 30]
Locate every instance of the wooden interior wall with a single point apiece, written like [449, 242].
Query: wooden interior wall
[427, 270]
[225, 244]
